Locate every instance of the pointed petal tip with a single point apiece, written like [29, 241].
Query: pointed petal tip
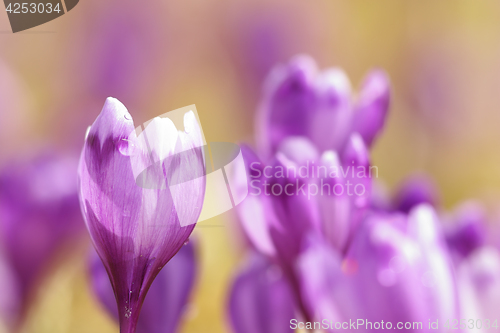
[116, 108]
[303, 62]
[300, 70]
[193, 129]
[114, 120]
[356, 151]
[335, 78]
[376, 85]
[330, 158]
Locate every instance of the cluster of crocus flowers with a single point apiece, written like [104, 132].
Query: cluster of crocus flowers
[332, 255]
[141, 196]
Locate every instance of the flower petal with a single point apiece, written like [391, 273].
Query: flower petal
[168, 295]
[261, 299]
[372, 106]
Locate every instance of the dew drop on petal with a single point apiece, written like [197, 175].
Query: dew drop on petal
[125, 147]
[127, 116]
[186, 242]
[128, 312]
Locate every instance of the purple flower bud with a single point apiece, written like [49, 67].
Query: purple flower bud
[395, 270]
[293, 204]
[468, 229]
[288, 103]
[141, 197]
[416, 190]
[167, 297]
[39, 213]
[279, 211]
[261, 299]
[372, 106]
[331, 122]
[301, 101]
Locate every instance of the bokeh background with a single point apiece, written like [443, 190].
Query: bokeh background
[443, 58]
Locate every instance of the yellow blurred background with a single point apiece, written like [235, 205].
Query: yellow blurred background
[443, 58]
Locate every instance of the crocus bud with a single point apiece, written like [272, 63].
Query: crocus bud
[397, 269]
[301, 101]
[289, 100]
[415, 190]
[280, 208]
[168, 295]
[467, 230]
[372, 106]
[141, 197]
[331, 123]
[292, 195]
[261, 299]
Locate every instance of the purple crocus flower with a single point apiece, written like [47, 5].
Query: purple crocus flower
[415, 190]
[39, 213]
[261, 298]
[275, 221]
[279, 212]
[168, 295]
[301, 101]
[141, 196]
[397, 269]
[467, 230]
[309, 119]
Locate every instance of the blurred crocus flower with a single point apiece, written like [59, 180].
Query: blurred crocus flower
[141, 196]
[467, 230]
[39, 213]
[283, 208]
[415, 190]
[168, 295]
[275, 221]
[311, 126]
[261, 299]
[301, 101]
[397, 269]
